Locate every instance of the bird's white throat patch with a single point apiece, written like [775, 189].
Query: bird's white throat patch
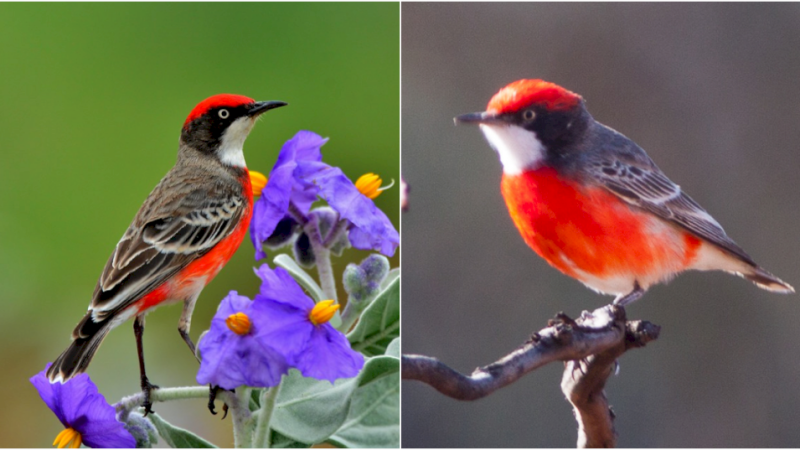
[518, 148]
[230, 149]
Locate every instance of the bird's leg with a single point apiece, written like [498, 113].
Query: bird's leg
[625, 300]
[630, 297]
[147, 387]
[185, 323]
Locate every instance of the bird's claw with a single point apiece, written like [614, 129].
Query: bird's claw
[147, 388]
[212, 395]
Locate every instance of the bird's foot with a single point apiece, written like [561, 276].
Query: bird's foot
[212, 395]
[147, 388]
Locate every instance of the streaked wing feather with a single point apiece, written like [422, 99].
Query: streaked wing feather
[639, 182]
[148, 255]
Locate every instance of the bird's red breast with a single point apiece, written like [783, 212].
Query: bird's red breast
[200, 272]
[593, 236]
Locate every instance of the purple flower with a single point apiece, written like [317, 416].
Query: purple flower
[298, 177]
[300, 328]
[236, 351]
[84, 412]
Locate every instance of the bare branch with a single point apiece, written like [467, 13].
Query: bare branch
[591, 345]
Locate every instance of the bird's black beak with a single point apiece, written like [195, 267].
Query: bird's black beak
[479, 117]
[260, 107]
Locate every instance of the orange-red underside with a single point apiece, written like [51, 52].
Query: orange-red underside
[178, 287]
[595, 230]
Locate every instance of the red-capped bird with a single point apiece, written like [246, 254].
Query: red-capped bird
[592, 203]
[184, 233]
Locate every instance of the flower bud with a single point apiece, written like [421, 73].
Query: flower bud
[303, 253]
[354, 280]
[284, 231]
[326, 219]
[376, 267]
[340, 245]
[364, 280]
[142, 430]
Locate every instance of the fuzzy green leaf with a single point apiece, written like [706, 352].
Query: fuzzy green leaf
[379, 324]
[310, 410]
[374, 416]
[177, 437]
[280, 441]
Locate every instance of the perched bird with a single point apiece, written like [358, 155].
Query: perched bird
[592, 203]
[184, 233]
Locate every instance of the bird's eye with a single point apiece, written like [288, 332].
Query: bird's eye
[223, 113]
[529, 115]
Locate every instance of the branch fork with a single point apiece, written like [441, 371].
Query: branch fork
[589, 346]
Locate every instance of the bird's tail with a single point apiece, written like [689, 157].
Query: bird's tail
[768, 281]
[86, 338]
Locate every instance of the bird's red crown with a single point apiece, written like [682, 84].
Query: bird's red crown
[522, 93]
[215, 101]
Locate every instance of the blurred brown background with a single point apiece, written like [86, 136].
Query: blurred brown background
[711, 92]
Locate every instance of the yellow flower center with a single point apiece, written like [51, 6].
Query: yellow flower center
[369, 185]
[257, 180]
[239, 323]
[322, 312]
[68, 438]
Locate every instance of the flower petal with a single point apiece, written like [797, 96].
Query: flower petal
[319, 351]
[271, 207]
[230, 360]
[281, 187]
[370, 228]
[50, 394]
[232, 304]
[287, 328]
[79, 405]
[279, 286]
[328, 356]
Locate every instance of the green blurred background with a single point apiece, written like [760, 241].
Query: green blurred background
[93, 97]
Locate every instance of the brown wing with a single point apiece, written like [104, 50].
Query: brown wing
[636, 179]
[171, 234]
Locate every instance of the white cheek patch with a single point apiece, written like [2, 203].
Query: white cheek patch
[230, 149]
[518, 148]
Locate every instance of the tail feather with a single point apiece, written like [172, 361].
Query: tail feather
[87, 337]
[768, 281]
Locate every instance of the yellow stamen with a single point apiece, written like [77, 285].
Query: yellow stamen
[68, 438]
[239, 323]
[322, 312]
[257, 180]
[369, 184]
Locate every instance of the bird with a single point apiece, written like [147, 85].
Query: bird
[184, 233]
[592, 203]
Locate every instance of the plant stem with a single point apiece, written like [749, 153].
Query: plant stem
[162, 395]
[297, 215]
[242, 435]
[325, 272]
[263, 437]
[238, 405]
[322, 258]
[333, 235]
[350, 314]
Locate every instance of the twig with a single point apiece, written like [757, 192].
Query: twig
[591, 344]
